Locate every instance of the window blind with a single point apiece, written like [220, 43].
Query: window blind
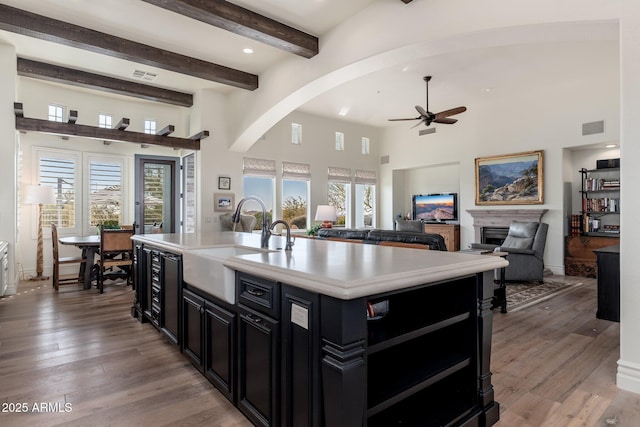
[300, 171]
[365, 177]
[105, 192]
[259, 167]
[59, 173]
[339, 174]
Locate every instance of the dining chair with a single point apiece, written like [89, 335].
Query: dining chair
[116, 256]
[58, 260]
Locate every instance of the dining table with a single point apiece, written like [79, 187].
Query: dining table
[89, 245]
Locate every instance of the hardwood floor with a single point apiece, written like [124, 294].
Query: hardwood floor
[553, 364]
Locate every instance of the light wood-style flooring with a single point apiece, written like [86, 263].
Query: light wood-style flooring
[553, 364]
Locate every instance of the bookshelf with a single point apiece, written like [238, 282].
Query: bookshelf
[600, 210]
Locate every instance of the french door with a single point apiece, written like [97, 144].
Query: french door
[157, 199]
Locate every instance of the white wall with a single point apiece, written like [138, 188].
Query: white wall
[36, 96]
[543, 114]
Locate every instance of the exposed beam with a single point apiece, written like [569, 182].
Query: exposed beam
[122, 124]
[55, 73]
[73, 116]
[94, 132]
[44, 28]
[200, 135]
[244, 22]
[167, 130]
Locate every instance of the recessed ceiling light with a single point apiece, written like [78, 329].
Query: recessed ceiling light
[610, 145]
[405, 68]
[486, 89]
[247, 50]
[343, 111]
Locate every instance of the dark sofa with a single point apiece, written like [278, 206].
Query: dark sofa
[435, 242]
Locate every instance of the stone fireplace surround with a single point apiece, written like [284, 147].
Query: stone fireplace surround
[502, 218]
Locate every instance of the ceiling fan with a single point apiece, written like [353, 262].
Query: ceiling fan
[427, 117]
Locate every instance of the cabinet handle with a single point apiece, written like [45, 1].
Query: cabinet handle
[256, 292]
[254, 318]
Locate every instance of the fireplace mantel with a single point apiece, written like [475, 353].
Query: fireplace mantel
[502, 217]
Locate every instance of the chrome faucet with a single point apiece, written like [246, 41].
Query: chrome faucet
[266, 233]
[290, 242]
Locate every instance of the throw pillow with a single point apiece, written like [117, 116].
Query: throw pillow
[415, 226]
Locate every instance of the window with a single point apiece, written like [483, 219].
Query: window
[339, 194]
[339, 141]
[259, 180]
[296, 133]
[365, 200]
[104, 121]
[365, 146]
[105, 191]
[189, 191]
[58, 170]
[295, 193]
[89, 188]
[56, 113]
[150, 126]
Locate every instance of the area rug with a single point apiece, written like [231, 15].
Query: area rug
[525, 294]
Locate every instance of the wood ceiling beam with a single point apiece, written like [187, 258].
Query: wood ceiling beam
[25, 124]
[55, 73]
[44, 28]
[244, 22]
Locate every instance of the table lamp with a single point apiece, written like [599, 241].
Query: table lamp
[326, 214]
[39, 195]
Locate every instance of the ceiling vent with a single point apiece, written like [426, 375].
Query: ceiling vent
[593, 128]
[384, 159]
[144, 75]
[427, 131]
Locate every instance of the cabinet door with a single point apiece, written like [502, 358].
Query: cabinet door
[171, 285]
[220, 340]
[300, 358]
[192, 327]
[258, 367]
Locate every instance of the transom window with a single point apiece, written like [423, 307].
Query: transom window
[365, 146]
[56, 113]
[296, 133]
[150, 126]
[339, 141]
[104, 121]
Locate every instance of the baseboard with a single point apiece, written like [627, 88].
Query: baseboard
[628, 376]
[555, 269]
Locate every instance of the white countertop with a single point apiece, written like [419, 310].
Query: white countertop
[339, 269]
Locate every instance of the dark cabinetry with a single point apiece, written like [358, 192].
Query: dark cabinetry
[158, 276]
[209, 340]
[258, 349]
[608, 283]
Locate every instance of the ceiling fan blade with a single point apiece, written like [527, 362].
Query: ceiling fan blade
[421, 110]
[397, 120]
[426, 123]
[451, 112]
[445, 120]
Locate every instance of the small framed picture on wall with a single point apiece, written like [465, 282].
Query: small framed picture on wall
[223, 202]
[224, 183]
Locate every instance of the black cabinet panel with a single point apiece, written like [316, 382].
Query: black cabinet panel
[258, 367]
[171, 287]
[192, 324]
[220, 340]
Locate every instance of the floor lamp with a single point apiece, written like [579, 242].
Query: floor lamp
[39, 195]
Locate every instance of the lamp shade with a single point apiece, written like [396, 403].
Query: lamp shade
[38, 194]
[326, 213]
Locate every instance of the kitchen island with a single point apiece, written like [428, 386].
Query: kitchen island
[331, 333]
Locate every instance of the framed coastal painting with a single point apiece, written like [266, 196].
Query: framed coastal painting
[511, 179]
[223, 202]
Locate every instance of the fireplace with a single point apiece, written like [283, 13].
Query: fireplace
[500, 219]
[493, 235]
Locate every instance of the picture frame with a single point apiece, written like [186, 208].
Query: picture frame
[223, 202]
[224, 183]
[511, 179]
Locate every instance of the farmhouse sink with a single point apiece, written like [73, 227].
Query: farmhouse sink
[204, 269]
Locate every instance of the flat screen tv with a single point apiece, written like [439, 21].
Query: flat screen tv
[435, 207]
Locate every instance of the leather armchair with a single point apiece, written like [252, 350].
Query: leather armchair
[525, 243]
